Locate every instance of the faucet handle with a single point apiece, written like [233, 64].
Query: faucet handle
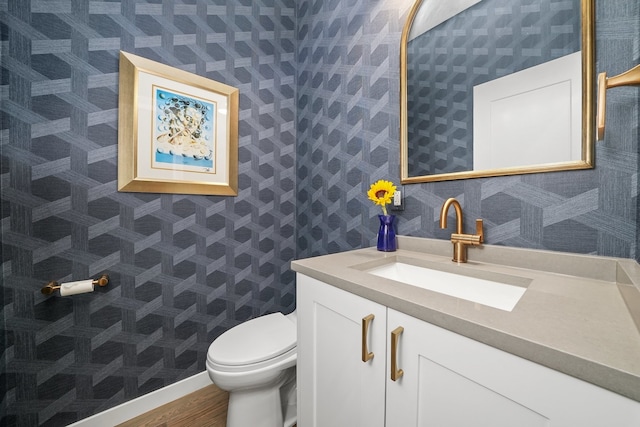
[470, 239]
[479, 230]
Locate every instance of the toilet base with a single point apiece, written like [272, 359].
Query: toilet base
[255, 408]
[273, 406]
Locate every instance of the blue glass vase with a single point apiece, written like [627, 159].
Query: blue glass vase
[386, 233]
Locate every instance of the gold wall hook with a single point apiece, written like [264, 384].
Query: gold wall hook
[628, 78]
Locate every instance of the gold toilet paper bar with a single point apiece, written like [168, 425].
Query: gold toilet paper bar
[53, 286]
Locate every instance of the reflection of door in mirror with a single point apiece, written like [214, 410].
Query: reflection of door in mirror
[492, 44]
[530, 117]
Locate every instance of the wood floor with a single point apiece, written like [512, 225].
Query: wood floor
[206, 407]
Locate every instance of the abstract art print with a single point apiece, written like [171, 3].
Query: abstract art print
[178, 132]
[183, 132]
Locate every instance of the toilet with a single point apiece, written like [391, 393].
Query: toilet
[256, 363]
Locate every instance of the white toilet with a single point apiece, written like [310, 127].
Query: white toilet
[256, 363]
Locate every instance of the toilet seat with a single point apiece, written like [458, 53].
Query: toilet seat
[281, 361]
[263, 341]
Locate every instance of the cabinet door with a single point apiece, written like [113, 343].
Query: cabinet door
[335, 387]
[450, 380]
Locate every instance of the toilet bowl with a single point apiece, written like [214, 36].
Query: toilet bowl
[256, 363]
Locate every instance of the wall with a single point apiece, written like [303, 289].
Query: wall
[348, 138]
[183, 268]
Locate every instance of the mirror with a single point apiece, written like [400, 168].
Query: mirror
[496, 87]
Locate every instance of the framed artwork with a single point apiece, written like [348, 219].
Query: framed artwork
[177, 131]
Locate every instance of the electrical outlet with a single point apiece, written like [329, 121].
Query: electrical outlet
[397, 204]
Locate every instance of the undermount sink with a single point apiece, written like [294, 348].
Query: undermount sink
[492, 293]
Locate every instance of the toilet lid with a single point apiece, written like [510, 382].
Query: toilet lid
[255, 340]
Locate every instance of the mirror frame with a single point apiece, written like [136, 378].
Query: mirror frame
[587, 31]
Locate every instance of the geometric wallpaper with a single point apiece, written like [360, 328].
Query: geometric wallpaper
[318, 123]
[347, 120]
[445, 63]
[183, 268]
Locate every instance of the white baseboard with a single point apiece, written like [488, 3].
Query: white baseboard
[146, 403]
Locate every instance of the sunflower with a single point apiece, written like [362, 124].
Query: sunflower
[381, 193]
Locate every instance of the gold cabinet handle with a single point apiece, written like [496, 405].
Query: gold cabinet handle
[366, 354]
[395, 339]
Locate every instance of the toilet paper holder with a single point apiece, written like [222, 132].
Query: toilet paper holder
[53, 286]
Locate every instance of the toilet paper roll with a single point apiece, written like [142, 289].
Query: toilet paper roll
[73, 288]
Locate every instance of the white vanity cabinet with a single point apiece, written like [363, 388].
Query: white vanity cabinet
[447, 380]
[335, 388]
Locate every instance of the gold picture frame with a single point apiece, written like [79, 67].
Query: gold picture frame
[177, 131]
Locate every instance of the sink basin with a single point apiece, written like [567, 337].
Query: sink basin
[495, 294]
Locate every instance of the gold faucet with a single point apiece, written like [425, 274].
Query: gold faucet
[460, 240]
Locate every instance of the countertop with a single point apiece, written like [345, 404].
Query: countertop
[580, 314]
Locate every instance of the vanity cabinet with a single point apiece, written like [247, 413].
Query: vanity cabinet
[447, 379]
[335, 388]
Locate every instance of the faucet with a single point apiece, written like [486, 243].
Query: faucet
[459, 239]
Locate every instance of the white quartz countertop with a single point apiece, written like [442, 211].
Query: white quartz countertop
[579, 315]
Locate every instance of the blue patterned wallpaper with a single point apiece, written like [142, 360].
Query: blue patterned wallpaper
[318, 123]
[183, 268]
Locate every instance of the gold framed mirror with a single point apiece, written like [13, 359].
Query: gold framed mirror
[484, 92]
